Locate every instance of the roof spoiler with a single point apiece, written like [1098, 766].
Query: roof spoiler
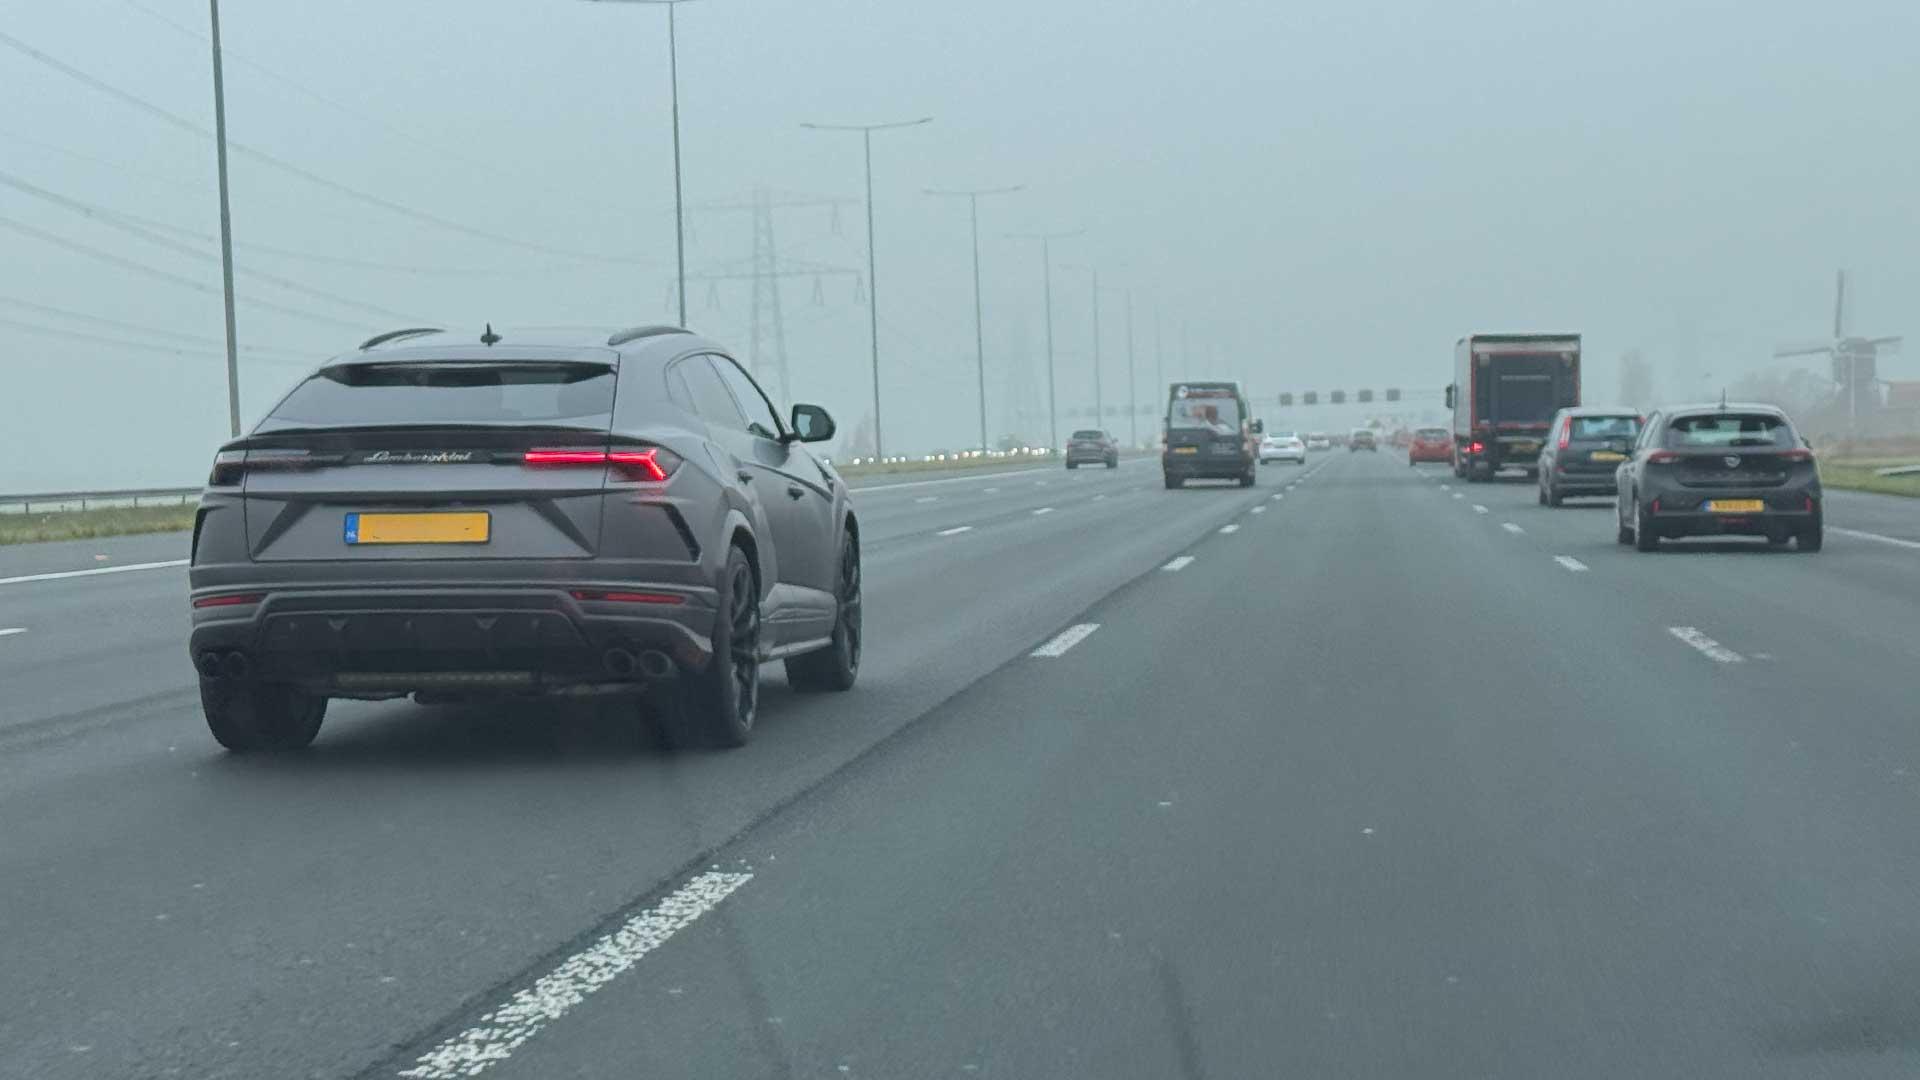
[635, 333]
[396, 335]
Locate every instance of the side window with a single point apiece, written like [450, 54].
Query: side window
[761, 419]
[710, 397]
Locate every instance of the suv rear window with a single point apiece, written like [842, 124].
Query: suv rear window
[1089, 434]
[452, 392]
[1729, 429]
[1605, 427]
[1431, 433]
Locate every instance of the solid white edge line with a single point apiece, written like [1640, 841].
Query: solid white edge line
[1708, 647]
[1571, 563]
[1180, 562]
[1065, 639]
[1855, 533]
[504, 1030]
[1512, 528]
[12, 630]
[955, 531]
[61, 574]
[1230, 529]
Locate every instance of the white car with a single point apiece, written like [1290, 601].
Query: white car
[1318, 441]
[1283, 446]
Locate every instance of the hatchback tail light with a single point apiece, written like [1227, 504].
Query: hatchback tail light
[1566, 432]
[1662, 457]
[652, 463]
[1796, 455]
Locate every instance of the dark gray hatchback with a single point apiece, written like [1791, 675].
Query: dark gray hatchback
[1584, 448]
[1718, 470]
[449, 517]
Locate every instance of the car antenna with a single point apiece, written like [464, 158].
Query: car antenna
[489, 337]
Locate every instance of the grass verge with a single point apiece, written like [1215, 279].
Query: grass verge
[84, 524]
[1860, 476]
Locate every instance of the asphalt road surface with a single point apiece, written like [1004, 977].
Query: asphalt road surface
[1363, 772]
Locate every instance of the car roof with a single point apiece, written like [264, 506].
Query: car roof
[550, 343]
[1728, 407]
[1599, 410]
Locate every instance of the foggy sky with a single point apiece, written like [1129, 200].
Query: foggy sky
[1322, 195]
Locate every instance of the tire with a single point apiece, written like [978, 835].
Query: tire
[1173, 482]
[1113, 463]
[1812, 535]
[717, 706]
[251, 718]
[1540, 495]
[1071, 465]
[836, 666]
[1553, 496]
[1644, 538]
[1247, 478]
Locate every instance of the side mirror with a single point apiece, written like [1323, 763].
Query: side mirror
[1450, 395]
[810, 423]
[1258, 427]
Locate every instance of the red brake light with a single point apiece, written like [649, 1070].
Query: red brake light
[1796, 455]
[1662, 457]
[1566, 432]
[630, 597]
[652, 463]
[1475, 447]
[228, 600]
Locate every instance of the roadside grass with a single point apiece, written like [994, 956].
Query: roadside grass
[36, 527]
[1859, 475]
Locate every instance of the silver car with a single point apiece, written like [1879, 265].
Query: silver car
[448, 516]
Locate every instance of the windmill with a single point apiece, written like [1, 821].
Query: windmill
[1855, 359]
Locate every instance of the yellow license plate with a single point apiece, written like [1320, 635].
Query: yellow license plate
[1527, 447]
[1736, 506]
[1186, 449]
[438, 528]
[1607, 455]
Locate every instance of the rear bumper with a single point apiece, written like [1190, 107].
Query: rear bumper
[1682, 511]
[1205, 466]
[531, 636]
[1598, 483]
[1098, 457]
[1283, 455]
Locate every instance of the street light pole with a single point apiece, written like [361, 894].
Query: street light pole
[226, 225]
[679, 212]
[979, 333]
[1133, 384]
[1046, 277]
[873, 286]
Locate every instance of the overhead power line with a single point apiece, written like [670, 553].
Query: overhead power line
[144, 331]
[102, 339]
[176, 120]
[183, 281]
[115, 220]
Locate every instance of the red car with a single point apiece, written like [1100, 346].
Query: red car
[1431, 444]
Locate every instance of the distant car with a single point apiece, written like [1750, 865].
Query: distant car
[1093, 447]
[1713, 470]
[1431, 444]
[508, 516]
[1581, 455]
[1363, 439]
[1283, 446]
[1317, 441]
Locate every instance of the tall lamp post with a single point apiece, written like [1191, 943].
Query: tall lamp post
[1046, 277]
[972, 195]
[226, 224]
[673, 77]
[873, 287]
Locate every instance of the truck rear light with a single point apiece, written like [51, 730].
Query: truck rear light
[228, 600]
[1475, 447]
[652, 463]
[1662, 457]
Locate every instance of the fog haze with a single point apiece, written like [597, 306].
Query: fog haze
[1303, 196]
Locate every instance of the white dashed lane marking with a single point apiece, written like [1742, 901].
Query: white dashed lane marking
[1066, 639]
[1457, 495]
[1259, 509]
[990, 491]
[1707, 647]
[1044, 510]
[505, 1029]
[1229, 529]
[1512, 528]
[956, 530]
[927, 499]
[1180, 563]
[1478, 509]
[1571, 563]
[1277, 496]
[59, 574]
[12, 630]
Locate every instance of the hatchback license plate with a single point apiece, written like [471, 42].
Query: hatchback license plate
[438, 528]
[1186, 449]
[1606, 455]
[1736, 506]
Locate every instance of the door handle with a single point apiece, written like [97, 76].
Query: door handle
[795, 491]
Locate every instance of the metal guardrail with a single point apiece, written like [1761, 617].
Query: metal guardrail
[1897, 470]
[84, 500]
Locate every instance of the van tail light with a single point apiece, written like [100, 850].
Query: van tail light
[1566, 432]
[650, 464]
[1796, 455]
[1662, 457]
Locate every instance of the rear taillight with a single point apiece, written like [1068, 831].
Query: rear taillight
[1655, 507]
[228, 600]
[1475, 447]
[1566, 432]
[630, 597]
[229, 466]
[652, 463]
[1796, 455]
[1662, 457]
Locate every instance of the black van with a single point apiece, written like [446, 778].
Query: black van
[1209, 434]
